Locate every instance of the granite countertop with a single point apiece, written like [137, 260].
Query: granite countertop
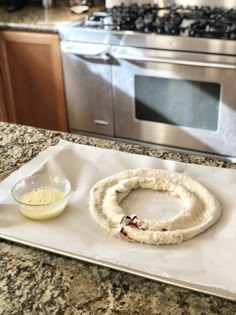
[35, 18]
[37, 282]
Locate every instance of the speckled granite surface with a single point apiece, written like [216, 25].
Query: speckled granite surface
[35, 18]
[37, 282]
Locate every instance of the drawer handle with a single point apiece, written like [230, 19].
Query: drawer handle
[101, 122]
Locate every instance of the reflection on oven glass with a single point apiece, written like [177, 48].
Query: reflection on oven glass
[177, 102]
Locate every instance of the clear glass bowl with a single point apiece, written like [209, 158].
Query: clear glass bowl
[41, 197]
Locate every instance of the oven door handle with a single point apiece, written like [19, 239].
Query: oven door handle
[91, 53]
[175, 61]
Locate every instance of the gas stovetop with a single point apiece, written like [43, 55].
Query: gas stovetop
[192, 29]
[190, 21]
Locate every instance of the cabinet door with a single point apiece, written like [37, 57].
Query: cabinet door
[33, 71]
[3, 110]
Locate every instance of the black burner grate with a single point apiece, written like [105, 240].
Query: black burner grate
[170, 20]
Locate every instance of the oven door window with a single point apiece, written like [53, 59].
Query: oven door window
[177, 102]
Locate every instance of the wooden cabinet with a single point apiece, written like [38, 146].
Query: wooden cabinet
[3, 107]
[33, 81]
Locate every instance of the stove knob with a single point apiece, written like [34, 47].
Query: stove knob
[191, 33]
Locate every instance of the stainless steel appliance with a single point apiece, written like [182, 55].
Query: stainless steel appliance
[163, 75]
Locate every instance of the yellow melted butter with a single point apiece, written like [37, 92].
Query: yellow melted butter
[42, 196]
[39, 203]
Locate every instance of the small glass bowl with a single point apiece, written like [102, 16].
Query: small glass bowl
[45, 210]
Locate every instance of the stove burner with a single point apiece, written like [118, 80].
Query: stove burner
[170, 20]
[169, 24]
[218, 26]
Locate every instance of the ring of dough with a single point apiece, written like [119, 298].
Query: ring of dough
[200, 207]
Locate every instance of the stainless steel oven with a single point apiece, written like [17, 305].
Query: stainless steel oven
[162, 89]
[179, 99]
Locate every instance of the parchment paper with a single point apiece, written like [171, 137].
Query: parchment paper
[207, 260]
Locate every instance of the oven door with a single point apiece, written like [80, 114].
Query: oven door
[176, 99]
[87, 76]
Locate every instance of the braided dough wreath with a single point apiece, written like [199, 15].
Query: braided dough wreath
[200, 207]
